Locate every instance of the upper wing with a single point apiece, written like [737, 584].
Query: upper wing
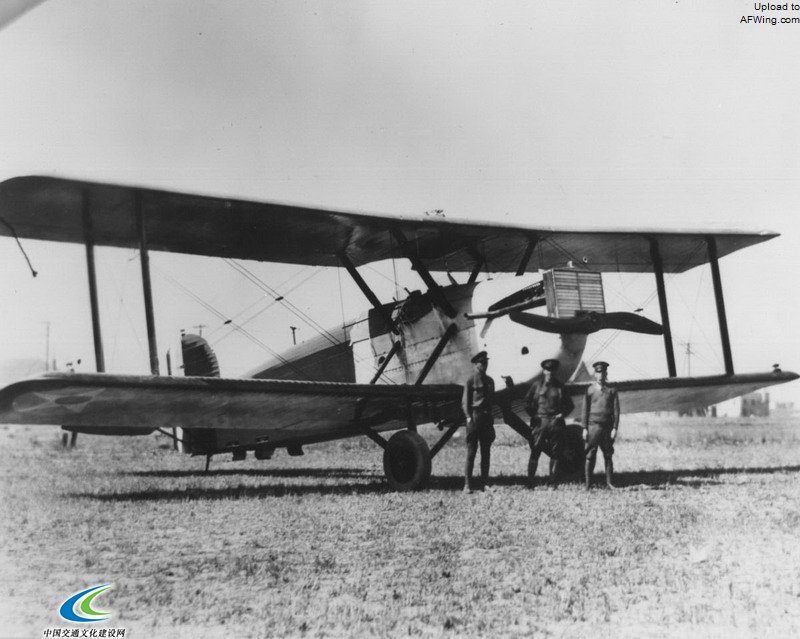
[50, 208]
[284, 410]
[10, 10]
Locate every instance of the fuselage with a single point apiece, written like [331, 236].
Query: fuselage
[356, 351]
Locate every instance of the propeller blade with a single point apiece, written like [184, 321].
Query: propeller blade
[588, 323]
[529, 297]
[633, 323]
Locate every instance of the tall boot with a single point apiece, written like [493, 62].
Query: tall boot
[468, 485]
[555, 470]
[533, 462]
[588, 470]
[486, 460]
[609, 472]
[472, 451]
[484, 475]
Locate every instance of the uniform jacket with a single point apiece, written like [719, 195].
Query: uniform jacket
[478, 393]
[548, 399]
[601, 405]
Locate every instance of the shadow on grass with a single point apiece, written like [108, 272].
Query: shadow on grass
[251, 472]
[241, 492]
[695, 477]
[689, 477]
[373, 483]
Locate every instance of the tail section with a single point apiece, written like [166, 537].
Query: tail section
[199, 360]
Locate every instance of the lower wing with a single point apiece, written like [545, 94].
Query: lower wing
[649, 395]
[285, 409]
[680, 393]
[312, 411]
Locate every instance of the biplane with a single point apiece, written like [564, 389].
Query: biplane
[399, 365]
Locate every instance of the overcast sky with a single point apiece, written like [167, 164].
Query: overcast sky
[588, 113]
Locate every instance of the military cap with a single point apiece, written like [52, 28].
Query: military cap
[550, 364]
[600, 366]
[483, 356]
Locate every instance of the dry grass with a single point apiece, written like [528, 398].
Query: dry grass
[701, 540]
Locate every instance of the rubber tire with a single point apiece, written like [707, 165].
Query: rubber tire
[572, 457]
[407, 461]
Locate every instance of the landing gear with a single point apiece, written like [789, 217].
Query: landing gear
[407, 461]
[69, 438]
[571, 462]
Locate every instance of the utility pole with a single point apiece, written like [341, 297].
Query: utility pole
[689, 353]
[47, 347]
[294, 338]
[200, 328]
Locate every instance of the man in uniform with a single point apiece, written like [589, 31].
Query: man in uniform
[600, 422]
[547, 402]
[477, 405]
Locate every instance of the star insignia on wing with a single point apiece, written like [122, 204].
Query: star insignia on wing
[75, 401]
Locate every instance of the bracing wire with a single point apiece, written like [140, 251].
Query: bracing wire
[260, 300]
[695, 323]
[252, 277]
[123, 309]
[270, 303]
[671, 276]
[34, 272]
[243, 331]
[377, 272]
[243, 270]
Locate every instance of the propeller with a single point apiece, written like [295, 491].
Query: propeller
[588, 323]
[529, 297]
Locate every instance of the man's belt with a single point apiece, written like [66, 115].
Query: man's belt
[482, 411]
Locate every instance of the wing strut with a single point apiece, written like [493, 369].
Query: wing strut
[479, 262]
[374, 436]
[435, 290]
[515, 422]
[658, 269]
[713, 257]
[445, 438]
[376, 303]
[144, 258]
[396, 346]
[88, 240]
[526, 257]
[361, 404]
[448, 334]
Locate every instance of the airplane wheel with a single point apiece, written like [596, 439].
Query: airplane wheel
[407, 461]
[572, 460]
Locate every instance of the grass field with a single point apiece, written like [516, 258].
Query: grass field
[701, 539]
